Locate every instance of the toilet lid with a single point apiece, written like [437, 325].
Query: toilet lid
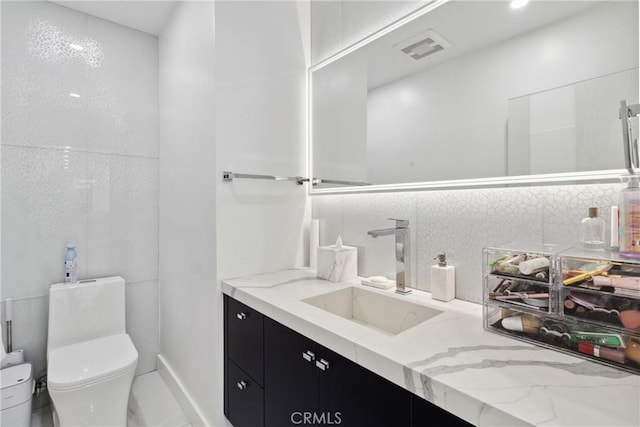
[89, 362]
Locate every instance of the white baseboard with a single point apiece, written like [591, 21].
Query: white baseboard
[189, 407]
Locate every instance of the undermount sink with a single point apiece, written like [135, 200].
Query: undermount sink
[389, 314]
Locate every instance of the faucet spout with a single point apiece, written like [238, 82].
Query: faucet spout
[382, 232]
[401, 231]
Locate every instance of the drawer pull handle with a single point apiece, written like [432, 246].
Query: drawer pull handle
[308, 356]
[322, 364]
[242, 385]
[241, 316]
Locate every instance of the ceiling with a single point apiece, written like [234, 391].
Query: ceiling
[468, 26]
[146, 16]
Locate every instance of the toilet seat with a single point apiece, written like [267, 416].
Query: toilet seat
[90, 362]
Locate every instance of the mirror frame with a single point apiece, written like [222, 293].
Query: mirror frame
[590, 177]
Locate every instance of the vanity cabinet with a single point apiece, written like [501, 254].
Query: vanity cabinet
[303, 378]
[276, 377]
[243, 367]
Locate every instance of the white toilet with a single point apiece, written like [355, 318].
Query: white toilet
[90, 358]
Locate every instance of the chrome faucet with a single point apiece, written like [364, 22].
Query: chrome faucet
[403, 271]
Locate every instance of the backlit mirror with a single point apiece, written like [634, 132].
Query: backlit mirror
[478, 90]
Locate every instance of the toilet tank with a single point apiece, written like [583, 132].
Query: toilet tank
[85, 310]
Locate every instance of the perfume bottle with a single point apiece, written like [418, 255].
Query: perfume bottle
[592, 231]
[629, 211]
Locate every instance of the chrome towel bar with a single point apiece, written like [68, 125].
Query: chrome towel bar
[228, 176]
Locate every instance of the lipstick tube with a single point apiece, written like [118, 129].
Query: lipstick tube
[601, 352]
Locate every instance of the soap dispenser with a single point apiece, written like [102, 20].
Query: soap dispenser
[443, 279]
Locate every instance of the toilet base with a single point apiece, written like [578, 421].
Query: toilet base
[99, 404]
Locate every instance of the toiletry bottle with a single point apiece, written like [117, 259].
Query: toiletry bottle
[629, 211]
[70, 264]
[443, 279]
[614, 227]
[592, 231]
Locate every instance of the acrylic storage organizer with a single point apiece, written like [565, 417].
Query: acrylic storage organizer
[581, 302]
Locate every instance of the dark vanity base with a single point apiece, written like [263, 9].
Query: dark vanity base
[275, 377]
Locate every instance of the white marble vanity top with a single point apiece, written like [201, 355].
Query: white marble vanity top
[484, 378]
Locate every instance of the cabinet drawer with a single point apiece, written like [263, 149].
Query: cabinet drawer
[245, 339]
[245, 398]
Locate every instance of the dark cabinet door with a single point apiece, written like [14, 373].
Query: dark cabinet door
[245, 339]
[245, 398]
[290, 378]
[358, 397]
[426, 414]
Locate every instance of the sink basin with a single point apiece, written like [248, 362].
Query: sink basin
[389, 314]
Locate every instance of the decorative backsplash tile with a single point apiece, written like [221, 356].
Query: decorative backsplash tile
[460, 223]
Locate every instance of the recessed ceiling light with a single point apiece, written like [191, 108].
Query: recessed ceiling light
[74, 95]
[75, 46]
[517, 4]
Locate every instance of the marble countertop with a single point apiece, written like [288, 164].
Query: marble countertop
[484, 378]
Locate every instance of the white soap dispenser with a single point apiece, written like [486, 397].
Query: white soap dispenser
[443, 279]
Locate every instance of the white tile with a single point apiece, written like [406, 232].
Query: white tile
[123, 217]
[29, 326]
[44, 201]
[123, 92]
[328, 210]
[39, 73]
[326, 29]
[364, 212]
[152, 404]
[142, 322]
[362, 18]
[270, 31]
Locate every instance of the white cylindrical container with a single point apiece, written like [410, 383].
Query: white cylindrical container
[16, 384]
[314, 242]
[443, 280]
[534, 265]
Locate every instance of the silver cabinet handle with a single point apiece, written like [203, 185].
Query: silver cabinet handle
[242, 385]
[308, 356]
[322, 364]
[241, 316]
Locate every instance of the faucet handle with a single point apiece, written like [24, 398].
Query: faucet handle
[400, 222]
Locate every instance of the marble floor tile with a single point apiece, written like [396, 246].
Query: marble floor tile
[151, 404]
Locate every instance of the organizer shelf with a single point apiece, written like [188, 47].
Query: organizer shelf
[581, 302]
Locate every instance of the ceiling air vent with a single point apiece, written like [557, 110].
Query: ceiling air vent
[422, 45]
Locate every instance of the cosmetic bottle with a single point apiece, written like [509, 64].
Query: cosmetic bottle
[443, 279]
[592, 231]
[629, 211]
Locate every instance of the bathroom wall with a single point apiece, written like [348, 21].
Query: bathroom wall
[80, 164]
[190, 325]
[459, 222]
[260, 129]
[232, 97]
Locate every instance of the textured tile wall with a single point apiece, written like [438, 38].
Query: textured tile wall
[460, 223]
[79, 163]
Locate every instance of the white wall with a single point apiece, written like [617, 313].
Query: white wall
[190, 309]
[232, 97]
[412, 119]
[260, 129]
[79, 169]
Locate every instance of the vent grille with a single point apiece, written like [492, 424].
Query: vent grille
[423, 44]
